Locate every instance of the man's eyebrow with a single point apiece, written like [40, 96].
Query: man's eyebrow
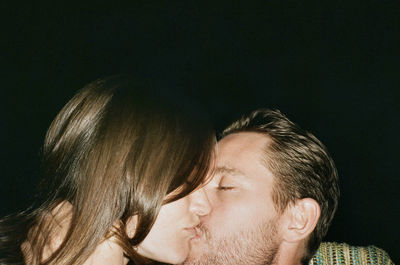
[227, 170]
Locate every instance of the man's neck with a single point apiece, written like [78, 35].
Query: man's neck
[289, 254]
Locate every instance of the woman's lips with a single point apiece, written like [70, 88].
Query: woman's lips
[195, 232]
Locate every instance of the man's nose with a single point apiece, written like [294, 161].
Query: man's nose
[199, 202]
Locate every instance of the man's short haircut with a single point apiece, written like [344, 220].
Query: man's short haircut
[301, 165]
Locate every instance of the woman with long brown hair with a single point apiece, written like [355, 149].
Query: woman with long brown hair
[122, 177]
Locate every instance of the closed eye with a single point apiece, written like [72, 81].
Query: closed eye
[225, 188]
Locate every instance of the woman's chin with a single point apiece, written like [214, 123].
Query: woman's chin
[170, 256]
[176, 258]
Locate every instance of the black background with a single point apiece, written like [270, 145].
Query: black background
[333, 67]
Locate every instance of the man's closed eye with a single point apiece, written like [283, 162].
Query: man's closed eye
[225, 187]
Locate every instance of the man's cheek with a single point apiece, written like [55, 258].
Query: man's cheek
[233, 213]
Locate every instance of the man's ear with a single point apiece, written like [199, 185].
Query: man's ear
[300, 219]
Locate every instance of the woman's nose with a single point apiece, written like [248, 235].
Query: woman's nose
[199, 202]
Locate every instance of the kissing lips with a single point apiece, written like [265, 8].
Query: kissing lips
[198, 233]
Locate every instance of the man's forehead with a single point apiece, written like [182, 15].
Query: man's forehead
[242, 145]
[243, 154]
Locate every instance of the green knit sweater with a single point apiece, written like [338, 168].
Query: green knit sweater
[341, 253]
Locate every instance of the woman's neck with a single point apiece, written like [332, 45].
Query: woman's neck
[108, 252]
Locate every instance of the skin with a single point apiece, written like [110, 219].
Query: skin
[243, 226]
[169, 238]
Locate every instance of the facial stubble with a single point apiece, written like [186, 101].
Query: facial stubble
[254, 245]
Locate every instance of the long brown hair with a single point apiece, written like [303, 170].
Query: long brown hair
[114, 151]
